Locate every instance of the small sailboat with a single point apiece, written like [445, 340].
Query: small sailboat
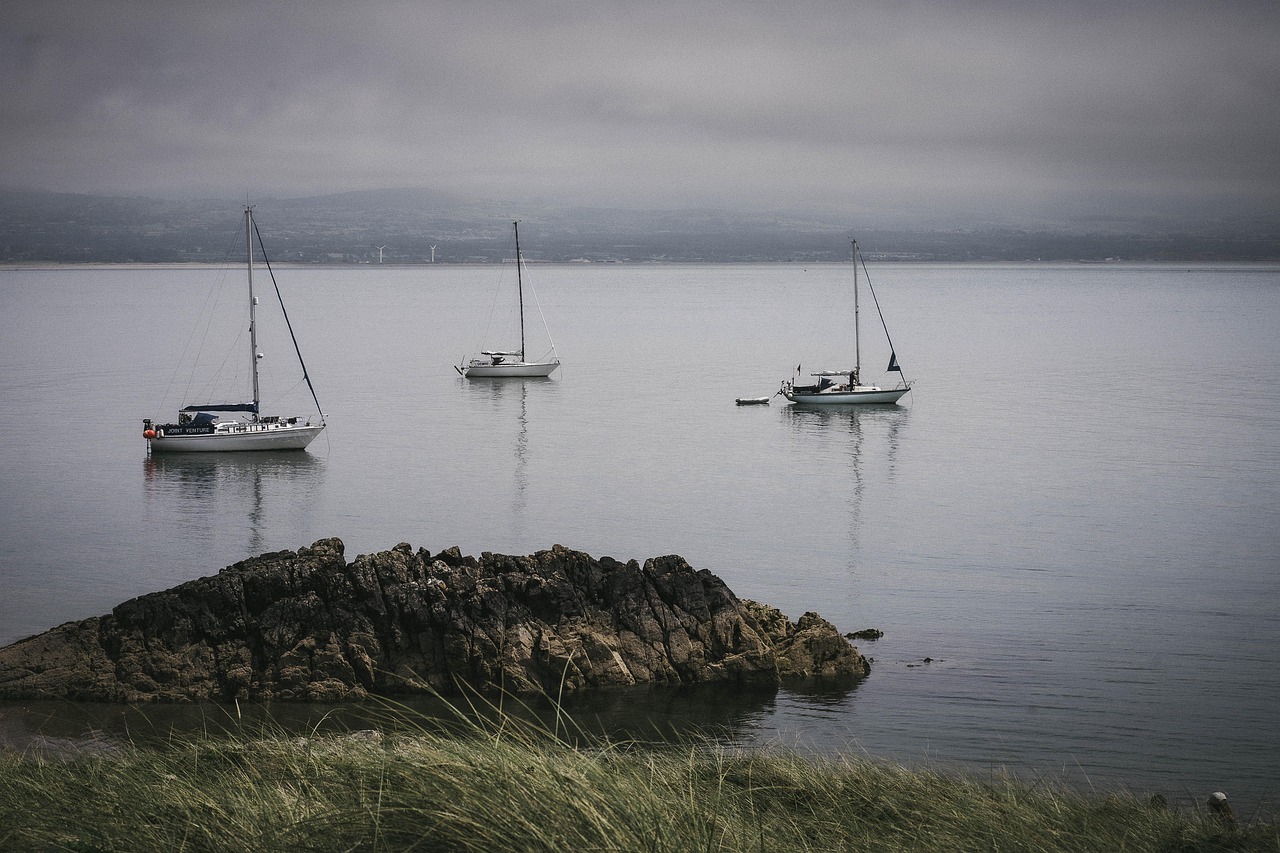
[502, 364]
[201, 429]
[829, 390]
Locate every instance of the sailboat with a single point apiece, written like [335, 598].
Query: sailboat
[201, 429]
[829, 390]
[502, 364]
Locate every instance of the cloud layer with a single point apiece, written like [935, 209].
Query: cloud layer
[891, 108]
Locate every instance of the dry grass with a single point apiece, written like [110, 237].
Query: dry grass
[508, 785]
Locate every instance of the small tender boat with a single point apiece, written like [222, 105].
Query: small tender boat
[200, 429]
[828, 390]
[752, 401]
[501, 364]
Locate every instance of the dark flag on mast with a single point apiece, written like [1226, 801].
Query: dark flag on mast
[893, 362]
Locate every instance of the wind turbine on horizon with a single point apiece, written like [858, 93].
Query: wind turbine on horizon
[379, 248]
[433, 254]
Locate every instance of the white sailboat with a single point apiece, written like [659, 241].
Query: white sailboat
[829, 390]
[201, 429]
[503, 364]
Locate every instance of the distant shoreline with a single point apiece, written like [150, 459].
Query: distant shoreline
[54, 266]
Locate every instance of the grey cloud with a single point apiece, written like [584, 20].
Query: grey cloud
[1025, 108]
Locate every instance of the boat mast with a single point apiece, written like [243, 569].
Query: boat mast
[857, 350]
[253, 306]
[519, 287]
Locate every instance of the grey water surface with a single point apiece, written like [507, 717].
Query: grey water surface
[1069, 531]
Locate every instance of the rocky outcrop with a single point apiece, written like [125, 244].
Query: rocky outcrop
[307, 625]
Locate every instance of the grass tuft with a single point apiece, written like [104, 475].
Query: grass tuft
[487, 780]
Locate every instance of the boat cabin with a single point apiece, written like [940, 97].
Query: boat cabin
[495, 357]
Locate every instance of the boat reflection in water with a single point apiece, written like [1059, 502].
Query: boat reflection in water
[844, 444]
[199, 493]
[506, 411]
[836, 435]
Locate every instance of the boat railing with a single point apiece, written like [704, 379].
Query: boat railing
[265, 425]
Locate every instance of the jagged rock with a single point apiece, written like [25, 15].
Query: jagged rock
[307, 625]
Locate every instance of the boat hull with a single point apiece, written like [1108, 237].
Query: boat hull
[867, 397]
[246, 437]
[514, 370]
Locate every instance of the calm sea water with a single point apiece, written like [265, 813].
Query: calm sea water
[1075, 517]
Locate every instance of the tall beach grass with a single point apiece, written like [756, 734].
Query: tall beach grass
[487, 781]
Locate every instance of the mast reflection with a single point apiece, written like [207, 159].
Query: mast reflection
[208, 494]
[862, 441]
[509, 398]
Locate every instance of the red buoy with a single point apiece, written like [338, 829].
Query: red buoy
[148, 433]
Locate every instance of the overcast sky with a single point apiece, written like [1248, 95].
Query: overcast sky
[886, 108]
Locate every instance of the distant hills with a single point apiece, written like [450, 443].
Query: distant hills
[414, 225]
